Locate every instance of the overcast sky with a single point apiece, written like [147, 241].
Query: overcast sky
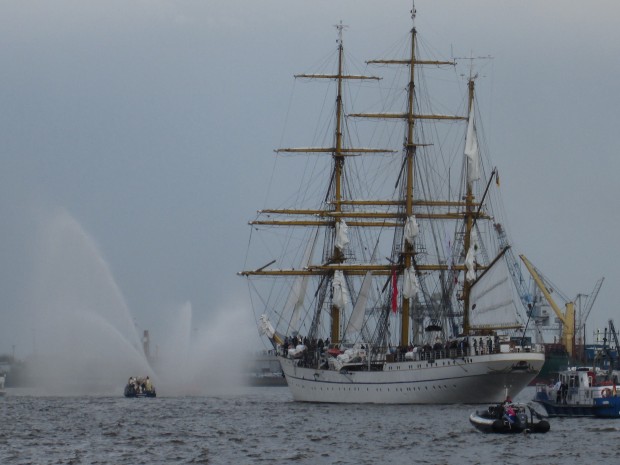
[149, 125]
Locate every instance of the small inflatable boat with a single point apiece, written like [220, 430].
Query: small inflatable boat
[509, 419]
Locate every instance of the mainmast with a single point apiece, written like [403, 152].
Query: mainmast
[410, 152]
[338, 255]
[469, 218]
[406, 260]
[333, 218]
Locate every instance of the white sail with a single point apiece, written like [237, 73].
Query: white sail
[410, 283]
[264, 327]
[469, 264]
[411, 229]
[474, 240]
[342, 236]
[298, 290]
[356, 321]
[492, 298]
[471, 150]
[341, 293]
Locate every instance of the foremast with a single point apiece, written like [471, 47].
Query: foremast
[335, 217]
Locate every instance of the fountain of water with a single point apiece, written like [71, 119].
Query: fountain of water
[204, 360]
[85, 337]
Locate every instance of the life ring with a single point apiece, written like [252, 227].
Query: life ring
[606, 392]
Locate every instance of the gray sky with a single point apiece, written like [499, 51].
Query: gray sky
[151, 123]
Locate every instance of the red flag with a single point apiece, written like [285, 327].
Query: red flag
[394, 291]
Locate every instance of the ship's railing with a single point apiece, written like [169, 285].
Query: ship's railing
[315, 357]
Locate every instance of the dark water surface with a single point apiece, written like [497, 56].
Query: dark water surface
[263, 425]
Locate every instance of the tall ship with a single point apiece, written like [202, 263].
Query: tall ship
[381, 278]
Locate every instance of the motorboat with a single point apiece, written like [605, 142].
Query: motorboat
[509, 418]
[581, 392]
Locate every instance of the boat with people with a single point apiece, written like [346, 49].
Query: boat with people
[434, 321]
[2, 380]
[586, 391]
[140, 387]
[509, 418]
[581, 392]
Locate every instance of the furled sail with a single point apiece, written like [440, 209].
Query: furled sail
[411, 229]
[410, 283]
[471, 150]
[469, 264]
[265, 328]
[341, 293]
[342, 236]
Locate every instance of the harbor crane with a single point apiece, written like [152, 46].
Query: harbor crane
[520, 282]
[567, 317]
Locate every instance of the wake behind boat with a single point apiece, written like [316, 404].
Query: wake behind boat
[432, 322]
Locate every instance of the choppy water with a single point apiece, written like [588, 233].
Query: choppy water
[263, 425]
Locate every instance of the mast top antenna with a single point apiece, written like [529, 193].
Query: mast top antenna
[471, 58]
[340, 28]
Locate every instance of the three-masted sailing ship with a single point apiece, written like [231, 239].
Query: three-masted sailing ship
[395, 289]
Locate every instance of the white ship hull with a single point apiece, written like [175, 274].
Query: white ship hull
[470, 380]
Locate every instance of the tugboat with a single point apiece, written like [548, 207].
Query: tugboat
[581, 392]
[140, 387]
[586, 391]
[509, 418]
